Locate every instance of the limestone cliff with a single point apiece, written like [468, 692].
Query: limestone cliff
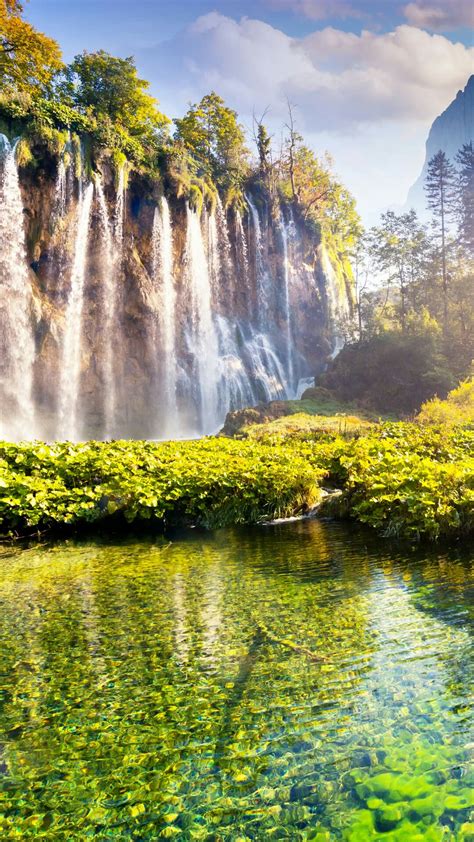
[149, 319]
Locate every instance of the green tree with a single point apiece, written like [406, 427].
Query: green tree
[440, 189]
[465, 162]
[214, 137]
[399, 247]
[361, 265]
[109, 89]
[28, 59]
[392, 371]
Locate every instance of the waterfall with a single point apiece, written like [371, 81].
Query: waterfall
[162, 273]
[68, 414]
[235, 382]
[60, 191]
[63, 185]
[222, 319]
[17, 345]
[214, 258]
[262, 275]
[119, 216]
[223, 240]
[286, 300]
[204, 344]
[241, 248]
[108, 311]
[266, 368]
[338, 302]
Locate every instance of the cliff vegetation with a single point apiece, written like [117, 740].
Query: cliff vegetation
[98, 101]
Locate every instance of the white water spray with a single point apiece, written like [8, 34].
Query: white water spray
[108, 311]
[68, 415]
[203, 334]
[263, 278]
[17, 345]
[162, 272]
[286, 300]
[119, 216]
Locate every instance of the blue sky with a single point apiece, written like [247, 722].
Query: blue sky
[367, 78]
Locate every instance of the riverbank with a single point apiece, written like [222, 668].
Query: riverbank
[404, 480]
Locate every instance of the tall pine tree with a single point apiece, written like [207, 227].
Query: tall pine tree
[465, 162]
[440, 188]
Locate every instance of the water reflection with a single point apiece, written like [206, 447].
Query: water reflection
[155, 690]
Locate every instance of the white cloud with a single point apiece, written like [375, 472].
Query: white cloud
[318, 9]
[441, 15]
[404, 75]
[338, 79]
[350, 90]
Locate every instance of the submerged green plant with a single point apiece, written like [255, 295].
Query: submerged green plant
[154, 689]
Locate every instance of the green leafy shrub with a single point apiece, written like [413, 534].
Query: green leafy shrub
[23, 153]
[390, 372]
[458, 408]
[403, 493]
[212, 482]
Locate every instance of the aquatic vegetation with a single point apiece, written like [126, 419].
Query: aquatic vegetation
[211, 482]
[403, 479]
[139, 698]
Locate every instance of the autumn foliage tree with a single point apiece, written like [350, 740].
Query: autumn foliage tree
[28, 59]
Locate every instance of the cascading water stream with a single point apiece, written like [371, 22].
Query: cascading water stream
[119, 215]
[214, 257]
[241, 248]
[338, 300]
[286, 300]
[68, 413]
[204, 344]
[262, 275]
[17, 345]
[162, 273]
[108, 311]
[60, 192]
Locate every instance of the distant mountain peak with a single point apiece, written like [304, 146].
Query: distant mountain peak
[453, 128]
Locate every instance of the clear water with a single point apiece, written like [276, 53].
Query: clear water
[300, 681]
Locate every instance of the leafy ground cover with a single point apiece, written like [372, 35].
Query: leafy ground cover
[212, 482]
[405, 480]
[314, 402]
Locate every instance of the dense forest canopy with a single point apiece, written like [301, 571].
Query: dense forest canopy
[414, 285]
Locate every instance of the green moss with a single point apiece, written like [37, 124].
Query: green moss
[120, 165]
[76, 155]
[23, 153]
